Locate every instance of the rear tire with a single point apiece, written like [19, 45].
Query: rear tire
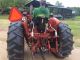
[65, 41]
[15, 42]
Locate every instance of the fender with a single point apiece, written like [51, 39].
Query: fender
[15, 15]
[53, 22]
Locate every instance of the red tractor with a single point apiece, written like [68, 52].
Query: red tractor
[41, 36]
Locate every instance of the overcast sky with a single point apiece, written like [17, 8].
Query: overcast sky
[67, 3]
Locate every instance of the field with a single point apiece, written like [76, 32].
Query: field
[75, 27]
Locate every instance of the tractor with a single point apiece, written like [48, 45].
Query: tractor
[42, 33]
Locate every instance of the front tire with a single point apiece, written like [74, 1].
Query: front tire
[15, 42]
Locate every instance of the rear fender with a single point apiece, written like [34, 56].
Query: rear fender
[54, 22]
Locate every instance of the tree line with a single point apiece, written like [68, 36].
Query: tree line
[6, 4]
[9, 3]
[20, 3]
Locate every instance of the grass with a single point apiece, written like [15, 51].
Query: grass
[74, 24]
[77, 17]
[4, 23]
[4, 16]
[75, 27]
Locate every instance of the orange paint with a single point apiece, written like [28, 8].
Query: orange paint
[53, 22]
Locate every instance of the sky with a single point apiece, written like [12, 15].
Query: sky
[66, 3]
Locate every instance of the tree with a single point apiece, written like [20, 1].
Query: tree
[5, 4]
[9, 3]
[58, 4]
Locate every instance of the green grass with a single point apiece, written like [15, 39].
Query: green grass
[4, 23]
[77, 17]
[4, 16]
[75, 27]
[74, 24]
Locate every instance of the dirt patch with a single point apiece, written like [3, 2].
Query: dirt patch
[3, 45]
[3, 35]
[3, 51]
[74, 56]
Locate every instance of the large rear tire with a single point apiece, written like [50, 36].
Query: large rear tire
[15, 42]
[65, 41]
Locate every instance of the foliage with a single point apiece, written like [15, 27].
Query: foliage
[5, 5]
[58, 4]
[9, 3]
